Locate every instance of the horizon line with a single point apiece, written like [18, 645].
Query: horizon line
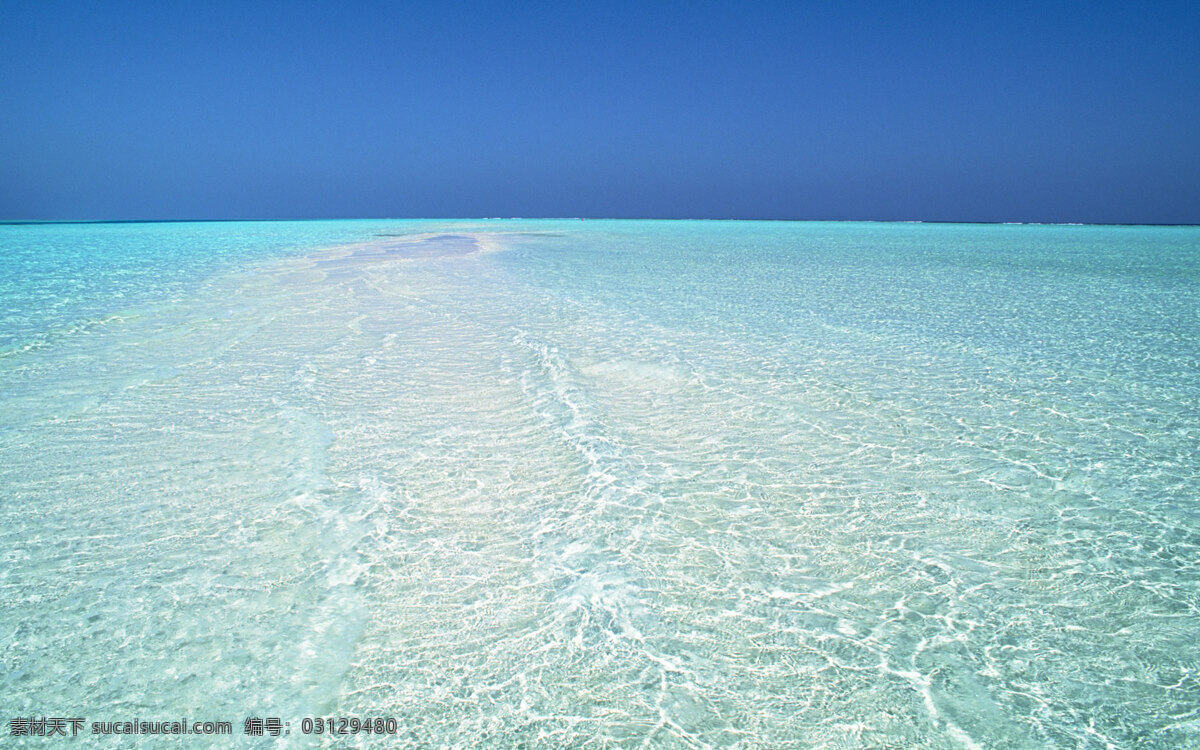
[31, 222]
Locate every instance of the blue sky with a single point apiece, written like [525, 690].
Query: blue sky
[841, 110]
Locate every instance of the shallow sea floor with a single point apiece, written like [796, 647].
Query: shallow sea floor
[605, 484]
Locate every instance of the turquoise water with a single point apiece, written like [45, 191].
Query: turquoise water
[605, 484]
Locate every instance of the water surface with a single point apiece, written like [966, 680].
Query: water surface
[605, 484]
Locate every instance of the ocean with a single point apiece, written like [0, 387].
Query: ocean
[518, 483]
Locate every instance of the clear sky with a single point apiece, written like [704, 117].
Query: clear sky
[957, 110]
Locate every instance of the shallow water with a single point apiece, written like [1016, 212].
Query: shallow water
[601, 484]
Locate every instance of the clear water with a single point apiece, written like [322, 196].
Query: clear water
[605, 484]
